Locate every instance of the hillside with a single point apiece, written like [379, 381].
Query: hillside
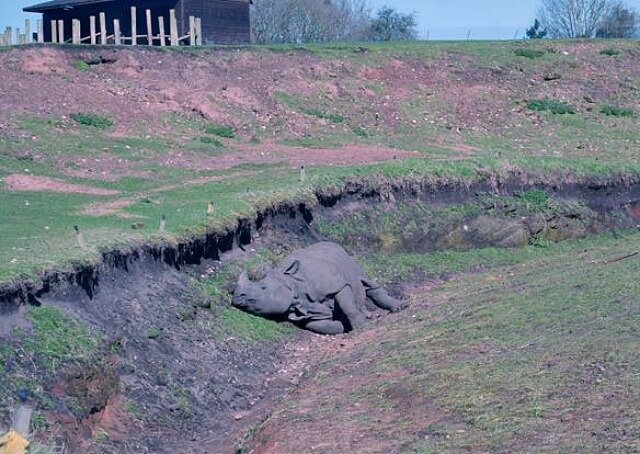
[495, 186]
[180, 124]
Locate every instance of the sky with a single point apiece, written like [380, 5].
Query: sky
[438, 19]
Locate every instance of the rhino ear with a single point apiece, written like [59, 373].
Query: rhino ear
[293, 269]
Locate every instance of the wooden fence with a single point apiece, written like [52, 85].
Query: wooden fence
[98, 32]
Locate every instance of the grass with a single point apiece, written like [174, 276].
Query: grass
[81, 65]
[302, 105]
[153, 332]
[535, 198]
[234, 323]
[52, 342]
[529, 53]
[553, 106]
[612, 111]
[527, 355]
[57, 338]
[610, 52]
[97, 121]
[37, 227]
[225, 132]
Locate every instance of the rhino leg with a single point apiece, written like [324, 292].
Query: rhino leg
[382, 299]
[325, 327]
[346, 301]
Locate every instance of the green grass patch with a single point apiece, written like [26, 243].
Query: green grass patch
[361, 131]
[223, 131]
[554, 106]
[81, 65]
[235, 323]
[610, 52]
[97, 121]
[211, 141]
[536, 198]
[333, 118]
[302, 105]
[612, 111]
[57, 338]
[529, 53]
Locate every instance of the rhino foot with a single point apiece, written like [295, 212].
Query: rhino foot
[325, 327]
[382, 299]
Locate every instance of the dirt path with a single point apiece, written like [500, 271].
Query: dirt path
[18, 182]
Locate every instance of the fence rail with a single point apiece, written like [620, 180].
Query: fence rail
[98, 32]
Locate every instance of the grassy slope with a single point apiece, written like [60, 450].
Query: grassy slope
[459, 138]
[537, 354]
[37, 227]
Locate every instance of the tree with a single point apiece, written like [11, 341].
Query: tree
[391, 25]
[619, 21]
[309, 21]
[572, 18]
[534, 32]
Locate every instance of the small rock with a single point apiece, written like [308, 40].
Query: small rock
[552, 76]
[240, 415]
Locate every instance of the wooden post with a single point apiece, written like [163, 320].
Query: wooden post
[8, 35]
[198, 31]
[92, 29]
[54, 31]
[40, 31]
[103, 29]
[173, 25]
[76, 32]
[192, 31]
[61, 31]
[134, 26]
[117, 35]
[27, 31]
[20, 37]
[163, 41]
[79, 237]
[149, 28]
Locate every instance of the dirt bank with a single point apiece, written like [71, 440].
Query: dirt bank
[191, 388]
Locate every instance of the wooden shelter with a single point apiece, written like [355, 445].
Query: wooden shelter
[221, 21]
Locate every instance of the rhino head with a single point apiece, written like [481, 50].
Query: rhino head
[269, 297]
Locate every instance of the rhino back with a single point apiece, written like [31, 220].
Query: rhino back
[325, 269]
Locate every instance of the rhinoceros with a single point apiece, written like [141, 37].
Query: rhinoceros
[320, 288]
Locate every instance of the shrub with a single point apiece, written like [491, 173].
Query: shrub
[82, 65]
[529, 53]
[554, 106]
[611, 52]
[211, 141]
[334, 118]
[361, 131]
[612, 111]
[535, 198]
[97, 121]
[220, 131]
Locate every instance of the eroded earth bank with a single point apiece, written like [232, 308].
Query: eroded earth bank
[144, 353]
